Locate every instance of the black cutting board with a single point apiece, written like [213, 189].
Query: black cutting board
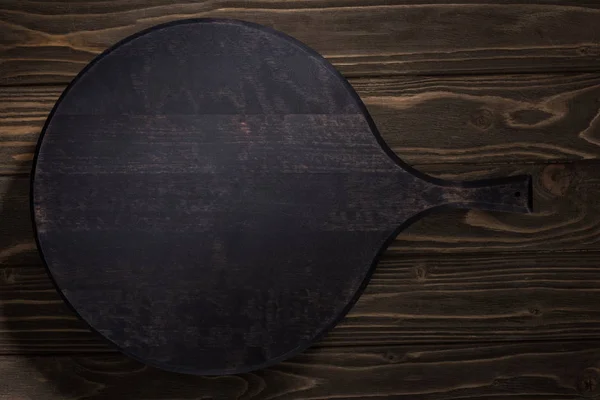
[212, 196]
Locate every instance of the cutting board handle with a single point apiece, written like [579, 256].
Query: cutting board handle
[513, 194]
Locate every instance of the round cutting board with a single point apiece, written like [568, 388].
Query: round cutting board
[211, 196]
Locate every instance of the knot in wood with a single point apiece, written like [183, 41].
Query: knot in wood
[535, 311]
[557, 179]
[588, 382]
[482, 118]
[391, 357]
[420, 272]
[588, 51]
[7, 276]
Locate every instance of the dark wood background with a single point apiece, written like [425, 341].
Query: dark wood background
[465, 304]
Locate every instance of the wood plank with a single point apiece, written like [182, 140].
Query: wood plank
[504, 118]
[17, 244]
[34, 319]
[419, 299]
[475, 298]
[52, 41]
[23, 111]
[566, 216]
[553, 370]
[487, 119]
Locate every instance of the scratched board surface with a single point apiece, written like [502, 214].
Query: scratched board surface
[210, 196]
[464, 303]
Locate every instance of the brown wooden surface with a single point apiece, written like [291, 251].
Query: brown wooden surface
[425, 299]
[490, 118]
[50, 42]
[565, 370]
[465, 304]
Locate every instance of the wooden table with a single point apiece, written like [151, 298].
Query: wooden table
[465, 304]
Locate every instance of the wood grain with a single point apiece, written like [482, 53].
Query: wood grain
[293, 195]
[17, 244]
[52, 41]
[566, 214]
[489, 277]
[483, 119]
[566, 217]
[552, 370]
[487, 119]
[412, 299]
[35, 319]
[23, 111]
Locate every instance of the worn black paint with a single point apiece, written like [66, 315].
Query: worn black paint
[211, 196]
